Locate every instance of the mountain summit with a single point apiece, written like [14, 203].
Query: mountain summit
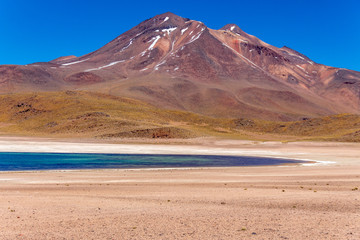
[178, 63]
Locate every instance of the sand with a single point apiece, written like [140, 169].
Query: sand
[308, 201]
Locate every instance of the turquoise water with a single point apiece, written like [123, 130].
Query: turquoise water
[11, 161]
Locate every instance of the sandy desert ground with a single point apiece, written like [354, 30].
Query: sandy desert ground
[309, 201]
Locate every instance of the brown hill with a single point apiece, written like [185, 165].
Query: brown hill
[88, 115]
[178, 63]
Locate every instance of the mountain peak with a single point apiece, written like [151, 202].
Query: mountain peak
[233, 28]
[167, 14]
[168, 18]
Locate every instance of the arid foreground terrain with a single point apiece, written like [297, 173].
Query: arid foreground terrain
[316, 201]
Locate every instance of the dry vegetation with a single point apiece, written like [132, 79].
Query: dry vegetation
[87, 114]
[342, 127]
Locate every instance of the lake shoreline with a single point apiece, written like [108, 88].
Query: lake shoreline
[321, 152]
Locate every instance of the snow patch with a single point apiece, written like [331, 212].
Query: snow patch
[177, 68]
[232, 28]
[169, 30]
[242, 40]
[296, 55]
[184, 30]
[71, 63]
[154, 39]
[167, 18]
[127, 46]
[196, 37]
[161, 63]
[311, 62]
[301, 68]
[139, 34]
[109, 65]
[143, 69]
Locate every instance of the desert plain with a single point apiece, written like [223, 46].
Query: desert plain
[317, 200]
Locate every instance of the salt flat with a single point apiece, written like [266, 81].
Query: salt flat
[295, 202]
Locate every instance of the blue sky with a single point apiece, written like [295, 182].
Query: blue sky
[31, 31]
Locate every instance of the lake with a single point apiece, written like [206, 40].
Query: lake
[12, 161]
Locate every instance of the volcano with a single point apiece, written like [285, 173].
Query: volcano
[177, 63]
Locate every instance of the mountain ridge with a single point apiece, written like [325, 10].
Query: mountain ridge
[178, 63]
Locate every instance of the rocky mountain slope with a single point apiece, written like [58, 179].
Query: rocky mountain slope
[178, 63]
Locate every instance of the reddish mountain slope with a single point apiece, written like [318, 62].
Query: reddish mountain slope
[174, 62]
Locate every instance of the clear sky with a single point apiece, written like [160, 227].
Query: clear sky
[41, 30]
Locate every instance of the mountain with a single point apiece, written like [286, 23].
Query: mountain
[178, 63]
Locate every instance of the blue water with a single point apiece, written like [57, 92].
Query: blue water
[10, 161]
